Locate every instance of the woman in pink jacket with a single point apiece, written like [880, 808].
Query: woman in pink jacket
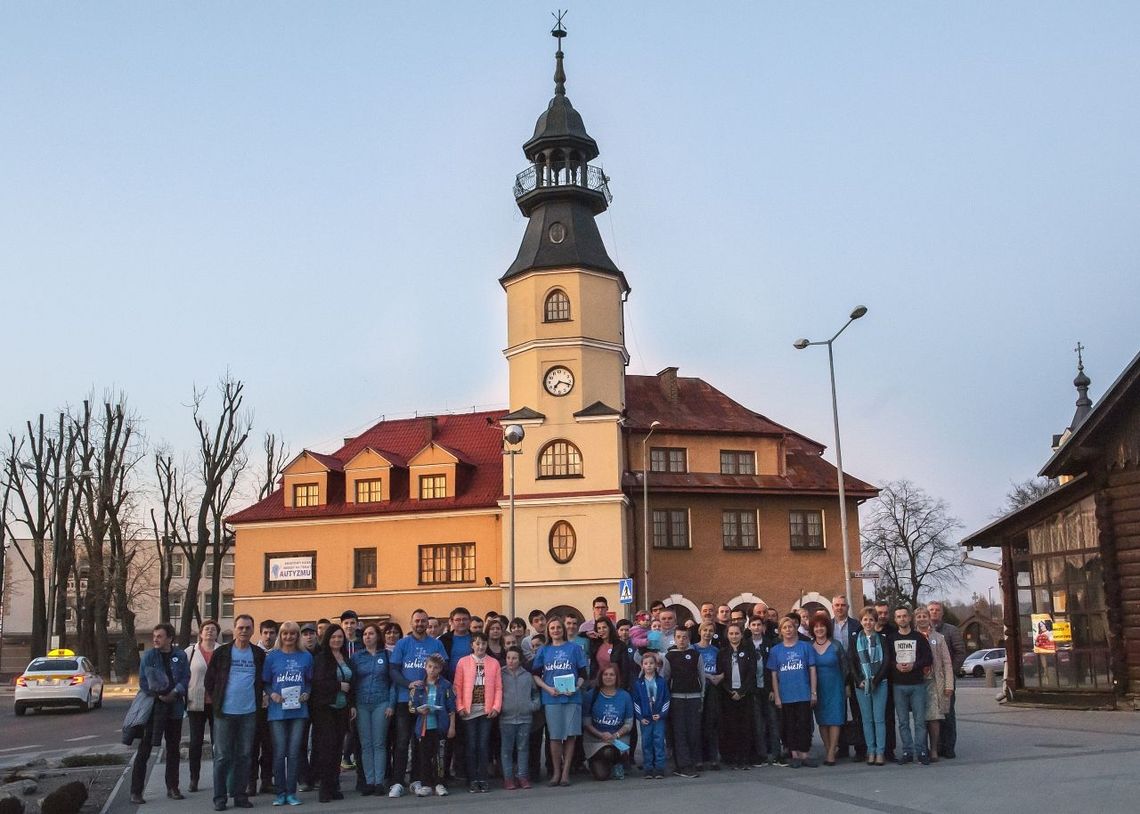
[479, 699]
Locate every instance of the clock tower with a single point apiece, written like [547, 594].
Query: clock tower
[567, 357]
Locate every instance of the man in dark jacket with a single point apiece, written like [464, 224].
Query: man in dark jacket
[164, 673]
[233, 682]
[909, 654]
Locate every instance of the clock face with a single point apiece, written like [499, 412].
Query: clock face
[558, 381]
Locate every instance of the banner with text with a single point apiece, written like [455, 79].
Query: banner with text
[286, 568]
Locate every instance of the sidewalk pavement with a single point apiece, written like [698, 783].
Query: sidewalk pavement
[1011, 759]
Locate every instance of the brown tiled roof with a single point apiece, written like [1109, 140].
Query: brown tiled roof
[699, 407]
[475, 438]
[333, 464]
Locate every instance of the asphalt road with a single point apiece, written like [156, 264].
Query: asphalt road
[53, 733]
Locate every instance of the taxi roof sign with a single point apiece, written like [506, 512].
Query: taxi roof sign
[61, 651]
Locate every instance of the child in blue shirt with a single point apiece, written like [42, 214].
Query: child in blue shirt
[651, 708]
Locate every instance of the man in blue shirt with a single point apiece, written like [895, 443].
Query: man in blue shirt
[406, 667]
[233, 682]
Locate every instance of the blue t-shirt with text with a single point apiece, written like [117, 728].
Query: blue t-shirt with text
[609, 714]
[287, 674]
[410, 657]
[240, 683]
[790, 664]
[555, 660]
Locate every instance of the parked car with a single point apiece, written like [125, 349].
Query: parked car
[990, 658]
[59, 679]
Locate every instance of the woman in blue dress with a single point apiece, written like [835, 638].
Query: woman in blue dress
[832, 670]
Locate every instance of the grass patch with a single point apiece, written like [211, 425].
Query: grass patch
[97, 759]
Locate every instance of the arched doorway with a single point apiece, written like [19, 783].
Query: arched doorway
[563, 611]
[684, 608]
[813, 602]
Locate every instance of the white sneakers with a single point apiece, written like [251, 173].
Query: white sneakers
[397, 790]
[418, 789]
[423, 791]
[440, 790]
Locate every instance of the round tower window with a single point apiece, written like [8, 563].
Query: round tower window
[557, 232]
[563, 542]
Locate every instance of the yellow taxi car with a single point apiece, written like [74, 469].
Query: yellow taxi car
[59, 679]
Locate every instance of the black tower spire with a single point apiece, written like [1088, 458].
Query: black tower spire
[561, 192]
[1081, 382]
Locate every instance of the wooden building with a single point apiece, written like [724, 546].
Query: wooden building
[1071, 559]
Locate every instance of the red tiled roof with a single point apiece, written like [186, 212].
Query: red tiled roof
[474, 437]
[334, 464]
[699, 407]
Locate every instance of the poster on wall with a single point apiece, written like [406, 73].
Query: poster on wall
[1043, 641]
[287, 568]
[1062, 635]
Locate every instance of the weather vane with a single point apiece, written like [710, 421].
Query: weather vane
[558, 31]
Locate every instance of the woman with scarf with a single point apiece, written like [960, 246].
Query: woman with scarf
[869, 665]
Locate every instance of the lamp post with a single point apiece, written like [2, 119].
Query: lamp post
[800, 344]
[645, 512]
[512, 437]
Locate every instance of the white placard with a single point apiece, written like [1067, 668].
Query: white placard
[285, 568]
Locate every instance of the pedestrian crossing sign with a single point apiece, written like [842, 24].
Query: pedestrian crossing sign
[625, 591]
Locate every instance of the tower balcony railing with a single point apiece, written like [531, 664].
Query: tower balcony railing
[534, 177]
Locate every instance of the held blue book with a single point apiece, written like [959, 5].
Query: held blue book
[565, 685]
[621, 745]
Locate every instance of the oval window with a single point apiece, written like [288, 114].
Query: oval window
[563, 542]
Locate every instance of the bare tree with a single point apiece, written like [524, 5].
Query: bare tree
[1023, 493]
[109, 448]
[220, 453]
[908, 537]
[37, 470]
[174, 534]
[276, 454]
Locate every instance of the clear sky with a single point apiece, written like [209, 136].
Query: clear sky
[317, 197]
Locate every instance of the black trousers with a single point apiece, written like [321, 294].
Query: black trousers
[262, 756]
[405, 720]
[162, 726]
[685, 724]
[429, 758]
[534, 753]
[329, 728]
[892, 724]
[710, 725]
[198, 721]
[735, 730]
[852, 736]
[796, 726]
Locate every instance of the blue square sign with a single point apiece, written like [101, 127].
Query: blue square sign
[625, 591]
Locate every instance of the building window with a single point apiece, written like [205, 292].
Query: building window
[560, 459]
[442, 564]
[668, 459]
[226, 610]
[737, 462]
[557, 307]
[227, 566]
[738, 530]
[291, 571]
[563, 542]
[368, 491]
[305, 494]
[177, 562]
[364, 568]
[670, 528]
[176, 605]
[433, 486]
[805, 528]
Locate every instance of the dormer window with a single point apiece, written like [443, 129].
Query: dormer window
[433, 487]
[557, 307]
[737, 462]
[305, 494]
[560, 459]
[369, 490]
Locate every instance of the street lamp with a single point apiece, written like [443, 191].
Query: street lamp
[800, 344]
[512, 436]
[645, 512]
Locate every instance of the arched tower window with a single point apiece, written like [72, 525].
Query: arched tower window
[557, 307]
[563, 542]
[560, 459]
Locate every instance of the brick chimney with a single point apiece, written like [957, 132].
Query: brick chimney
[667, 381]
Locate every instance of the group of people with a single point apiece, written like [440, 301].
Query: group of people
[472, 696]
